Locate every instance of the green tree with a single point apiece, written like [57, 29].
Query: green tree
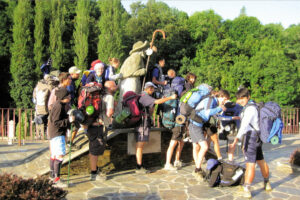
[39, 35]
[111, 24]
[57, 28]
[22, 64]
[81, 33]
[6, 21]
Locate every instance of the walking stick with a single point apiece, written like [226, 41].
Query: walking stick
[70, 148]
[151, 45]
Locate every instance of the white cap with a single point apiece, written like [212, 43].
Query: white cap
[149, 84]
[74, 70]
[98, 66]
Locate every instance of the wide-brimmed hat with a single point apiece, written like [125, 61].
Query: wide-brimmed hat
[138, 46]
[74, 70]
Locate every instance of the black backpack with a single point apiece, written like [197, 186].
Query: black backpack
[224, 174]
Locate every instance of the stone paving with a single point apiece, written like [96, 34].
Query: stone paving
[161, 184]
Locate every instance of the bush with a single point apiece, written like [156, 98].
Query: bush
[295, 157]
[14, 187]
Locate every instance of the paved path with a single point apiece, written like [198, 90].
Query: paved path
[32, 158]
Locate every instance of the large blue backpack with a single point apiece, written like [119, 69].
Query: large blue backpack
[193, 100]
[178, 85]
[169, 113]
[270, 123]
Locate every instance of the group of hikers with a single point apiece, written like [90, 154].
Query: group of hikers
[187, 111]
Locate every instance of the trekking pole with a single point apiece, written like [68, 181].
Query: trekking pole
[151, 45]
[69, 157]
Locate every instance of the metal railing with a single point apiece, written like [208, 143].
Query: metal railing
[20, 123]
[290, 118]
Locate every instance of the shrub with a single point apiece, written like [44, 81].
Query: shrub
[295, 157]
[14, 187]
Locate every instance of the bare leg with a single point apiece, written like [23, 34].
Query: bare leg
[196, 149]
[264, 168]
[179, 150]
[215, 140]
[201, 153]
[93, 162]
[139, 152]
[250, 173]
[170, 150]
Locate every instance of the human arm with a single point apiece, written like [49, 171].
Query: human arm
[163, 100]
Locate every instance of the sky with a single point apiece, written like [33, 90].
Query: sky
[285, 12]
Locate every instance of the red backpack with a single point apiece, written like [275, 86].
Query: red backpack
[131, 100]
[90, 95]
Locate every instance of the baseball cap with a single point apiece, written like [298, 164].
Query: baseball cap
[149, 84]
[74, 70]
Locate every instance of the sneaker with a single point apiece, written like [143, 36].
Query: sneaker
[267, 186]
[170, 167]
[247, 193]
[178, 164]
[142, 170]
[199, 176]
[98, 177]
[59, 183]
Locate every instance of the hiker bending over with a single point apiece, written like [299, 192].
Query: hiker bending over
[75, 73]
[252, 145]
[204, 109]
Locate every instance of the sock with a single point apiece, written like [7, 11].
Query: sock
[247, 186]
[198, 169]
[96, 171]
[138, 166]
[57, 166]
[52, 167]
[266, 180]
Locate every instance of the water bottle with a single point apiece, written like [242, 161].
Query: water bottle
[122, 115]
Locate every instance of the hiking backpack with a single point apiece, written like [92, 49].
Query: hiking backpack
[42, 92]
[270, 122]
[169, 111]
[190, 100]
[131, 101]
[178, 85]
[223, 174]
[90, 94]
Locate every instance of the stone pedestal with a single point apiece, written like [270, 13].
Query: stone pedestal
[153, 146]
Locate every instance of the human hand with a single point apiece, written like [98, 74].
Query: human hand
[165, 82]
[149, 52]
[236, 118]
[154, 48]
[223, 107]
[174, 96]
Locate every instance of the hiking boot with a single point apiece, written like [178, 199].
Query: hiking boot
[98, 177]
[199, 176]
[170, 167]
[178, 164]
[59, 183]
[142, 170]
[267, 186]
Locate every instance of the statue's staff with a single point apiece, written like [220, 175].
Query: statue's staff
[151, 45]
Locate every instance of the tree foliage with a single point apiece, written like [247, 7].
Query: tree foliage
[22, 64]
[81, 34]
[111, 24]
[223, 53]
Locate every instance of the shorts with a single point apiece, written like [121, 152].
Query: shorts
[58, 146]
[142, 134]
[210, 129]
[97, 140]
[196, 133]
[252, 146]
[177, 133]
